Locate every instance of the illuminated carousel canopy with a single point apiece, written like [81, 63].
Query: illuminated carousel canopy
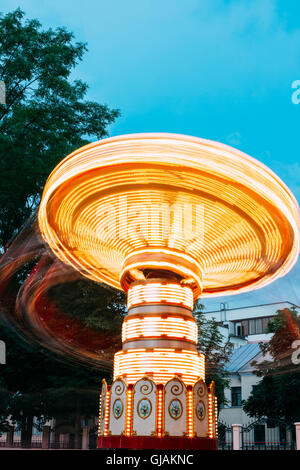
[219, 220]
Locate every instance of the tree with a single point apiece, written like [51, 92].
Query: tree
[46, 115]
[94, 305]
[285, 326]
[277, 395]
[217, 353]
[4, 401]
[35, 383]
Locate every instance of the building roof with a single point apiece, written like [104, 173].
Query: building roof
[250, 311]
[241, 356]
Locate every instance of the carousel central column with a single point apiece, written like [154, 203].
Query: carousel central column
[159, 334]
[159, 398]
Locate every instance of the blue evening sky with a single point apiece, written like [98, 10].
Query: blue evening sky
[216, 69]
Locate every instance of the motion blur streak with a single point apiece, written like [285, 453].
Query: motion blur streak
[30, 311]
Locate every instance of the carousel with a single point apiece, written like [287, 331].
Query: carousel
[168, 219]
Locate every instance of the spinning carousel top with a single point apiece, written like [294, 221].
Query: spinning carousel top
[186, 208]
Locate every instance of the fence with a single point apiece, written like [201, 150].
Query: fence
[36, 443]
[51, 440]
[262, 434]
[224, 436]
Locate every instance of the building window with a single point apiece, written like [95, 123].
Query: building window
[252, 329]
[222, 433]
[245, 326]
[265, 323]
[236, 396]
[255, 326]
[259, 434]
[271, 424]
[238, 329]
[282, 433]
[259, 326]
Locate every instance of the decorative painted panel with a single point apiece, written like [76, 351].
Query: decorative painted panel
[144, 408]
[175, 415]
[200, 409]
[117, 413]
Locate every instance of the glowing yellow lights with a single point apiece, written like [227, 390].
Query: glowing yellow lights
[231, 223]
[159, 364]
[154, 292]
[128, 419]
[156, 327]
[100, 416]
[159, 416]
[210, 416]
[190, 420]
[156, 259]
[106, 418]
[216, 417]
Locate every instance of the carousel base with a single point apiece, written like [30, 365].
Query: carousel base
[156, 443]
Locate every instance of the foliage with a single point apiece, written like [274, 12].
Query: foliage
[4, 403]
[277, 395]
[94, 305]
[285, 325]
[46, 115]
[211, 344]
[35, 383]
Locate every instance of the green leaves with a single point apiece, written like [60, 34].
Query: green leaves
[46, 115]
[95, 306]
[211, 344]
[276, 396]
[278, 393]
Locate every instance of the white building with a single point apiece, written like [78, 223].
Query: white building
[245, 328]
[246, 324]
[242, 381]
